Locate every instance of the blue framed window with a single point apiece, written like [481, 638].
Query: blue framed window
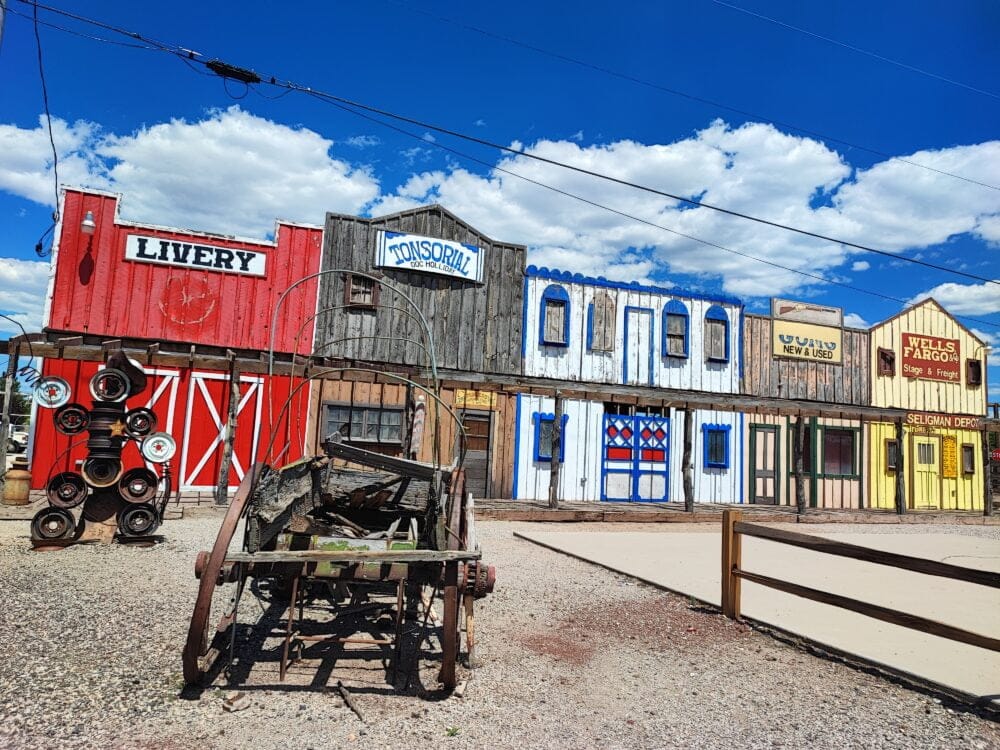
[716, 334]
[553, 319]
[543, 436]
[715, 445]
[676, 323]
[601, 323]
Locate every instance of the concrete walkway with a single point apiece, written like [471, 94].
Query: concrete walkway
[689, 563]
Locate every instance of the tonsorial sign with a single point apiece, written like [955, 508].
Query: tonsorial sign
[411, 252]
[194, 255]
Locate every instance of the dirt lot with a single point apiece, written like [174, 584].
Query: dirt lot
[574, 657]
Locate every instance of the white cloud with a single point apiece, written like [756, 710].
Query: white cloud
[964, 299]
[429, 137]
[577, 136]
[853, 320]
[860, 265]
[231, 172]
[480, 123]
[23, 284]
[363, 141]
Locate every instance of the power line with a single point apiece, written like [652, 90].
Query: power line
[627, 215]
[859, 50]
[685, 95]
[289, 85]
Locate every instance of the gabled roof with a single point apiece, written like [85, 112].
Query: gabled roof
[923, 303]
[431, 208]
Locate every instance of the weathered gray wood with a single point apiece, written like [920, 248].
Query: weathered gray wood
[556, 448]
[222, 486]
[353, 556]
[797, 457]
[867, 554]
[987, 477]
[687, 467]
[335, 447]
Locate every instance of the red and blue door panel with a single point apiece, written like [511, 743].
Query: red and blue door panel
[636, 449]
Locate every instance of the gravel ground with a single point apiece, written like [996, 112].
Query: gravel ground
[574, 657]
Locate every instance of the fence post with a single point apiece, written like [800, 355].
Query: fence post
[731, 557]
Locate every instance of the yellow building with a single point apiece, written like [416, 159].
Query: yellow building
[925, 362]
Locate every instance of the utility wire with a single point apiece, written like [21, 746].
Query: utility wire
[79, 33]
[685, 95]
[48, 115]
[624, 214]
[859, 50]
[289, 85]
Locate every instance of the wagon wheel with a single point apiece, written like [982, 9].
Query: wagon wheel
[198, 658]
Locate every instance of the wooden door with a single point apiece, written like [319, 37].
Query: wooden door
[637, 367]
[764, 471]
[926, 474]
[477, 453]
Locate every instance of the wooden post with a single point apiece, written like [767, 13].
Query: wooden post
[556, 449]
[687, 470]
[222, 488]
[732, 554]
[987, 476]
[900, 470]
[800, 479]
[13, 350]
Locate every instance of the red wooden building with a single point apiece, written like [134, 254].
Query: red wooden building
[133, 281]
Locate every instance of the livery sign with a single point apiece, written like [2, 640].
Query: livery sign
[411, 252]
[146, 249]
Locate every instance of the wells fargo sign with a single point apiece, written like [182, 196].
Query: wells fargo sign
[806, 341]
[948, 421]
[931, 358]
[411, 252]
[167, 252]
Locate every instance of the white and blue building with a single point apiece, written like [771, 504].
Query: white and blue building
[654, 339]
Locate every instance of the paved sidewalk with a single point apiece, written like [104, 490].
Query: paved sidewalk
[690, 563]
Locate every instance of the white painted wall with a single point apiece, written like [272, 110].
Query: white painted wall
[576, 363]
[711, 485]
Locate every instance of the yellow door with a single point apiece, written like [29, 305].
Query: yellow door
[926, 472]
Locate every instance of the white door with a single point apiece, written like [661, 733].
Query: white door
[637, 368]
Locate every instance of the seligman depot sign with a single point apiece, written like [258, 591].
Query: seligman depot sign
[411, 252]
[931, 358]
[806, 341]
[145, 249]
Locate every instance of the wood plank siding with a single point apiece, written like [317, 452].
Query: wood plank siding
[475, 327]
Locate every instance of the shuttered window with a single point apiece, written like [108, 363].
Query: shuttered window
[715, 439]
[553, 324]
[360, 292]
[601, 323]
[544, 424]
[886, 362]
[973, 372]
[716, 334]
[675, 329]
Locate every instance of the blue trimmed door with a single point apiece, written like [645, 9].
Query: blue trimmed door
[636, 451]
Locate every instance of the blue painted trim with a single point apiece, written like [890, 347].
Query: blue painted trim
[524, 323]
[554, 293]
[590, 327]
[539, 417]
[675, 307]
[632, 286]
[705, 430]
[517, 441]
[633, 472]
[652, 343]
[717, 313]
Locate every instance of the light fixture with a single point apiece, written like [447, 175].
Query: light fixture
[87, 226]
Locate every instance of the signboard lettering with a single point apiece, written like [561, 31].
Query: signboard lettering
[466, 399]
[144, 249]
[805, 341]
[948, 421]
[949, 457]
[931, 358]
[411, 252]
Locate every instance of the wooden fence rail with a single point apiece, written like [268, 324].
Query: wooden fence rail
[733, 529]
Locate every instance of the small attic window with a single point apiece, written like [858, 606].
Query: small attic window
[886, 362]
[973, 372]
[361, 292]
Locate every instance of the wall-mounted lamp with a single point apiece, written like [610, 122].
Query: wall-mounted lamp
[87, 226]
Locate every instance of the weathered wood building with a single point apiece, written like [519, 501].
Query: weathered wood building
[810, 363]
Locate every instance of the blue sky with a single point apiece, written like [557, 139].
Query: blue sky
[191, 150]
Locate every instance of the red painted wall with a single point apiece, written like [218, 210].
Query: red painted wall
[200, 402]
[98, 291]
